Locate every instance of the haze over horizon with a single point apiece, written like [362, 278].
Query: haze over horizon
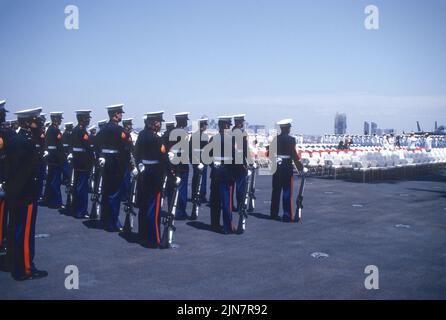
[304, 60]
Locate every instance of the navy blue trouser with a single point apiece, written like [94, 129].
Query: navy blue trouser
[21, 244]
[111, 205]
[283, 183]
[214, 200]
[149, 220]
[183, 173]
[225, 194]
[221, 199]
[126, 185]
[3, 221]
[80, 194]
[113, 179]
[53, 196]
[66, 171]
[241, 178]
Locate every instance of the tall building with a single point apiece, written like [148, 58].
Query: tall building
[366, 128]
[340, 123]
[373, 128]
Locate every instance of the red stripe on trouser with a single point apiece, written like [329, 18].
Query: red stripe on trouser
[26, 240]
[291, 198]
[158, 241]
[2, 210]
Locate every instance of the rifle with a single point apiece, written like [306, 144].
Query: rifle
[243, 210]
[95, 197]
[69, 189]
[252, 188]
[129, 206]
[196, 197]
[300, 195]
[91, 181]
[163, 191]
[169, 220]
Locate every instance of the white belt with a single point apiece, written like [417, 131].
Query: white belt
[109, 151]
[66, 145]
[222, 158]
[149, 162]
[78, 149]
[282, 156]
[52, 148]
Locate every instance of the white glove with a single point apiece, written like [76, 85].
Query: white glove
[70, 156]
[45, 154]
[101, 161]
[171, 155]
[305, 170]
[254, 165]
[217, 164]
[200, 166]
[134, 172]
[141, 167]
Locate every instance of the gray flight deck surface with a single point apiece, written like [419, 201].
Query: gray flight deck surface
[399, 226]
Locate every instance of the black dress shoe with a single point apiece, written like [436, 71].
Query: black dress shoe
[218, 229]
[37, 274]
[286, 219]
[61, 207]
[277, 218]
[22, 278]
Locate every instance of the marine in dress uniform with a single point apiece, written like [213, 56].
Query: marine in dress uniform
[198, 141]
[101, 124]
[150, 157]
[66, 141]
[92, 133]
[22, 164]
[128, 128]
[169, 171]
[6, 133]
[181, 170]
[96, 150]
[239, 168]
[82, 157]
[222, 177]
[55, 159]
[285, 155]
[113, 152]
[39, 139]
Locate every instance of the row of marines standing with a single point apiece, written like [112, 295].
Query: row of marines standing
[114, 155]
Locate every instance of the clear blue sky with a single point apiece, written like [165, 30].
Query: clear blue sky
[269, 59]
